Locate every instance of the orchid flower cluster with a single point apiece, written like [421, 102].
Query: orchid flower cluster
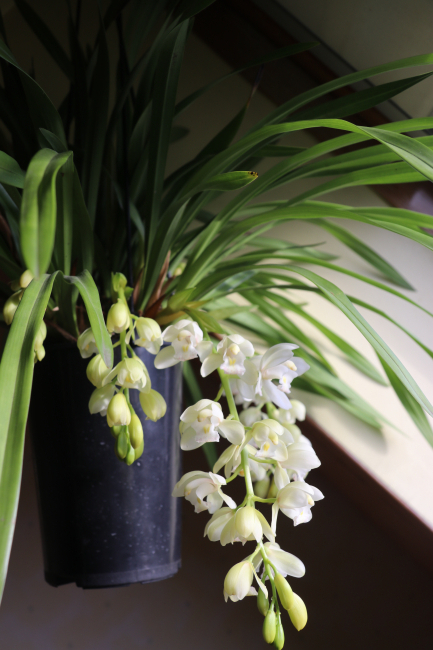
[267, 449]
[111, 397]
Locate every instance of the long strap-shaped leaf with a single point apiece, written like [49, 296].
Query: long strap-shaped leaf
[41, 108]
[10, 171]
[38, 209]
[16, 375]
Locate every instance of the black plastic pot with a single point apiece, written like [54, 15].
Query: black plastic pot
[104, 524]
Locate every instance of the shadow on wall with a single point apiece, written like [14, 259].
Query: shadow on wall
[360, 589]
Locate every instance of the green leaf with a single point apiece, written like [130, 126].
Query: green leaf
[96, 126]
[364, 251]
[38, 209]
[83, 231]
[41, 108]
[46, 37]
[89, 293]
[16, 374]
[343, 303]
[65, 217]
[273, 56]
[10, 171]
[228, 182]
[205, 320]
[53, 141]
[410, 403]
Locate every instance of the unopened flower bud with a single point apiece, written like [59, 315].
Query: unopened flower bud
[96, 371]
[261, 488]
[118, 318]
[269, 626]
[139, 451]
[238, 581]
[115, 431]
[39, 353]
[279, 636]
[86, 343]
[246, 521]
[298, 613]
[149, 334]
[25, 279]
[135, 431]
[284, 591]
[262, 602]
[153, 404]
[273, 491]
[130, 455]
[121, 445]
[10, 307]
[118, 412]
[40, 336]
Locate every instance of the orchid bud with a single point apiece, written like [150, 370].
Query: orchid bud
[25, 279]
[149, 334]
[245, 521]
[153, 404]
[39, 353]
[261, 488]
[121, 445]
[139, 451]
[100, 399]
[118, 319]
[130, 455]
[238, 581]
[262, 602]
[97, 371]
[118, 412]
[298, 613]
[273, 491]
[279, 636]
[269, 627]
[86, 343]
[40, 336]
[284, 591]
[135, 431]
[115, 431]
[10, 307]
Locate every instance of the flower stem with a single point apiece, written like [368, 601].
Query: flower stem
[267, 566]
[264, 500]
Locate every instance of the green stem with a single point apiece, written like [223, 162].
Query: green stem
[267, 461]
[264, 500]
[268, 565]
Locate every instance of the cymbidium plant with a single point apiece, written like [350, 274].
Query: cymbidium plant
[97, 239]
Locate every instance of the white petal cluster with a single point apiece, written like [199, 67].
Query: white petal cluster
[186, 342]
[277, 364]
[238, 582]
[148, 334]
[199, 424]
[285, 563]
[130, 373]
[246, 524]
[295, 500]
[203, 490]
[86, 343]
[231, 357]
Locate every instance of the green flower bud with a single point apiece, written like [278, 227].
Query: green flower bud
[139, 451]
[284, 592]
[279, 636]
[25, 279]
[118, 412]
[298, 613]
[96, 371]
[262, 603]
[130, 455]
[118, 319]
[269, 626]
[273, 491]
[10, 307]
[261, 488]
[41, 335]
[115, 431]
[121, 444]
[135, 431]
[153, 404]
[39, 353]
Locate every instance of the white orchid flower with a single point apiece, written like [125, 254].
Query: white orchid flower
[130, 373]
[276, 364]
[233, 430]
[295, 500]
[238, 582]
[271, 438]
[250, 524]
[100, 399]
[86, 343]
[187, 343]
[301, 458]
[203, 490]
[149, 334]
[296, 412]
[285, 563]
[230, 459]
[199, 424]
[232, 357]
